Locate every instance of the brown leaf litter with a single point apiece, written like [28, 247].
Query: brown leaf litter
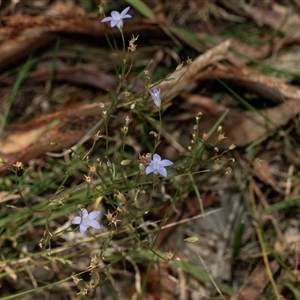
[23, 35]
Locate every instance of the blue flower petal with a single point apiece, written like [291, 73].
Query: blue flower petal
[124, 12]
[76, 220]
[83, 228]
[94, 214]
[107, 19]
[162, 172]
[166, 163]
[116, 18]
[94, 224]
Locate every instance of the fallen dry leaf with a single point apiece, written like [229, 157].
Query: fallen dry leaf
[271, 88]
[185, 78]
[75, 75]
[155, 276]
[242, 128]
[256, 283]
[66, 127]
[283, 18]
[24, 35]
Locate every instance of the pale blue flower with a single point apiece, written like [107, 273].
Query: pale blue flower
[157, 166]
[116, 18]
[86, 220]
[155, 94]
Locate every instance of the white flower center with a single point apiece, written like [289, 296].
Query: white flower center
[156, 165]
[86, 221]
